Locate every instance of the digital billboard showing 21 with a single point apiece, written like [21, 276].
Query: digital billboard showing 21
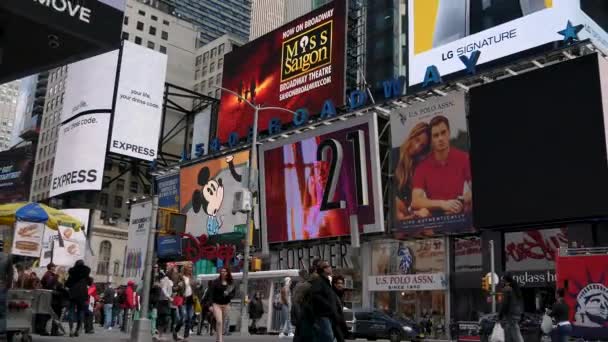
[299, 65]
[313, 182]
[447, 34]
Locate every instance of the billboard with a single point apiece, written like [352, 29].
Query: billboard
[534, 249]
[83, 135]
[431, 170]
[448, 34]
[16, 168]
[137, 243]
[311, 183]
[139, 101]
[299, 65]
[207, 191]
[167, 189]
[586, 283]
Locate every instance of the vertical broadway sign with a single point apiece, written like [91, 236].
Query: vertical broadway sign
[138, 112]
[137, 243]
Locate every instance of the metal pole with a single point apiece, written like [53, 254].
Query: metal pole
[492, 271]
[245, 281]
[142, 328]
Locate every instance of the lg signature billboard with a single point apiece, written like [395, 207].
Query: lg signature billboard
[299, 65]
[448, 34]
[311, 183]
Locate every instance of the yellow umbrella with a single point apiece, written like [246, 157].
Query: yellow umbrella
[36, 212]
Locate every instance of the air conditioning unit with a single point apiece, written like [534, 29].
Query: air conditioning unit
[242, 201]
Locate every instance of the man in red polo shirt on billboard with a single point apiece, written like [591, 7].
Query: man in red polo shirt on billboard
[442, 181]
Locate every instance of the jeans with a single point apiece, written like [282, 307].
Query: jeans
[107, 315]
[512, 332]
[323, 331]
[76, 313]
[153, 318]
[180, 316]
[561, 333]
[286, 328]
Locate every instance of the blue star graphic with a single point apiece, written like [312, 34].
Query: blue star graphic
[570, 33]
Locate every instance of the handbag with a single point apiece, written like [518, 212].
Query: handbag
[547, 324]
[178, 300]
[498, 333]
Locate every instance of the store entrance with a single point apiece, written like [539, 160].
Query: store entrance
[426, 308]
[536, 299]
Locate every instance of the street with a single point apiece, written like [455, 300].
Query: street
[117, 335]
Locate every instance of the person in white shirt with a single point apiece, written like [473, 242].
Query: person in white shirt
[164, 304]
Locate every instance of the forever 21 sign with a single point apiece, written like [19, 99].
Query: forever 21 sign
[337, 254]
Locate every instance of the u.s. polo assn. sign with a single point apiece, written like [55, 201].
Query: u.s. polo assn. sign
[409, 282]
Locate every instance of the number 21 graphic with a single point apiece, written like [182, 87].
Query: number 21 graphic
[357, 139]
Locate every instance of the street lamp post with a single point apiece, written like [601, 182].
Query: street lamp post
[251, 179]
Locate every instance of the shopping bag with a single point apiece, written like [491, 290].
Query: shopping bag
[498, 333]
[547, 324]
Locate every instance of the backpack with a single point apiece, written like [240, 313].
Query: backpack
[122, 297]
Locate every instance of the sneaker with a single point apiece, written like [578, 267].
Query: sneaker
[281, 335]
[110, 328]
[290, 335]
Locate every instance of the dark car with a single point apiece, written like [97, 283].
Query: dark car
[529, 326]
[373, 324]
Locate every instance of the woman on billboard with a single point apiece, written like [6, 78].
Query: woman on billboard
[411, 152]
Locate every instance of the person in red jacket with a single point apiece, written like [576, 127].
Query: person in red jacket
[93, 298]
[128, 304]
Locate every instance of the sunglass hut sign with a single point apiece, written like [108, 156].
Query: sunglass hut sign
[72, 8]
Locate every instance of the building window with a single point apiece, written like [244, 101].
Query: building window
[220, 49]
[116, 216]
[108, 166]
[103, 199]
[220, 63]
[212, 67]
[196, 75]
[152, 30]
[103, 214]
[153, 17]
[198, 60]
[134, 187]
[213, 52]
[117, 202]
[137, 40]
[116, 268]
[122, 167]
[125, 20]
[218, 79]
[125, 35]
[164, 35]
[120, 184]
[151, 45]
[203, 85]
[204, 71]
[217, 93]
[166, 22]
[210, 82]
[106, 180]
[140, 12]
[205, 57]
[105, 252]
[140, 26]
[162, 49]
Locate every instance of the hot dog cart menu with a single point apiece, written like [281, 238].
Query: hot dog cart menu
[27, 240]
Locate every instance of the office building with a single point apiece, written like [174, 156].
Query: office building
[267, 15]
[8, 106]
[209, 64]
[214, 18]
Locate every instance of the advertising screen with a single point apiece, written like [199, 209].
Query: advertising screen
[207, 192]
[538, 145]
[16, 168]
[313, 182]
[299, 65]
[431, 171]
[167, 189]
[137, 243]
[139, 102]
[443, 32]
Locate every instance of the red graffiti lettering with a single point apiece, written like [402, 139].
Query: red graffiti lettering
[535, 246]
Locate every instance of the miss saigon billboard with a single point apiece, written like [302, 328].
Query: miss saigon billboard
[299, 65]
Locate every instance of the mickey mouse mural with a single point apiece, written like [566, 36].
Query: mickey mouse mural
[210, 196]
